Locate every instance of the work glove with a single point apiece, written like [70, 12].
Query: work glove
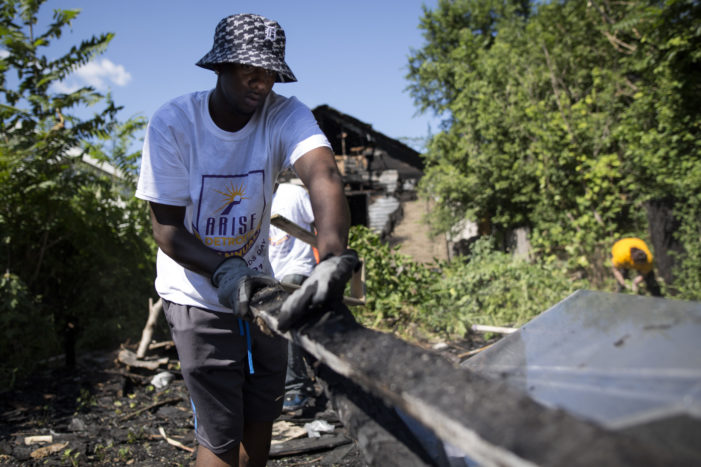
[236, 283]
[322, 288]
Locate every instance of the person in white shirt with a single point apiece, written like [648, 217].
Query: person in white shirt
[209, 162]
[293, 261]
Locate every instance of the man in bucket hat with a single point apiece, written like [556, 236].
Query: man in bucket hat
[209, 164]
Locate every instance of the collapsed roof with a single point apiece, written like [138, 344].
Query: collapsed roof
[350, 136]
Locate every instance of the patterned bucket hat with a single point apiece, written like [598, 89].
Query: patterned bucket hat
[250, 40]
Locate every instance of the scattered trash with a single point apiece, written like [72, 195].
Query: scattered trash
[48, 450]
[28, 440]
[494, 329]
[285, 431]
[315, 428]
[440, 346]
[77, 425]
[174, 442]
[162, 380]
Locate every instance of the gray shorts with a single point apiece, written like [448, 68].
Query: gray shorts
[227, 383]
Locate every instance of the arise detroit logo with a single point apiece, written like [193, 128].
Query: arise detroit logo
[230, 212]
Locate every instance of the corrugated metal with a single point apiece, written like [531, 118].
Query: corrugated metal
[382, 214]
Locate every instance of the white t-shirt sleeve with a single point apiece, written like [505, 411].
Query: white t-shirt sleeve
[164, 176]
[312, 142]
[300, 132]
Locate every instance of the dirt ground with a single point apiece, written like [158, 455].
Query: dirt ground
[105, 413]
[412, 234]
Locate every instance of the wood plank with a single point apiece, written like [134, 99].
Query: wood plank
[283, 223]
[379, 432]
[129, 358]
[488, 420]
[302, 445]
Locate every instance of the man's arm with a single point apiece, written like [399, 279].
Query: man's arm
[317, 170]
[235, 282]
[636, 282]
[175, 241]
[619, 277]
[325, 285]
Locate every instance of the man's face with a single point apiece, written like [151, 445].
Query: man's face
[245, 87]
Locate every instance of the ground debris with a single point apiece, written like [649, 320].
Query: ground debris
[105, 413]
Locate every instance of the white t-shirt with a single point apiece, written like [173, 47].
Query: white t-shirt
[224, 179]
[290, 255]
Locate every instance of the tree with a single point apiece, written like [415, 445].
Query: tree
[565, 117]
[76, 252]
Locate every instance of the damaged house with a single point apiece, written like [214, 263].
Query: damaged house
[378, 171]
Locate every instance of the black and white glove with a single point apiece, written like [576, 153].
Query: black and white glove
[322, 288]
[236, 283]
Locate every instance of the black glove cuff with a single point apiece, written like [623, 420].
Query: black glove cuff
[216, 276]
[347, 251]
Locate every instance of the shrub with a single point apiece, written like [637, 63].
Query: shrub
[488, 287]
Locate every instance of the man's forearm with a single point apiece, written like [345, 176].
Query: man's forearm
[619, 277]
[318, 171]
[174, 240]
[189, 252]
[332, 221]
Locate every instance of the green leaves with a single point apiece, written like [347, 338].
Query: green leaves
[77, 247]
[564, 117]
[443, 299]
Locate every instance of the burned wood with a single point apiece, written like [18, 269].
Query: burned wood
[146, 335]
[305, 445]
[293, 229]
[129, 358]
[381, 435]
[174, 442]
[489, 421]
[350, 301]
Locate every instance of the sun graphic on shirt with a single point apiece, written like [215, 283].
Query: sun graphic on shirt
[233, 196]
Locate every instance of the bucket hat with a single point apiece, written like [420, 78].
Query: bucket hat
[249, 40]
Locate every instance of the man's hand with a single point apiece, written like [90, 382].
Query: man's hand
[323, 287]
[636, 283]
[237, 283]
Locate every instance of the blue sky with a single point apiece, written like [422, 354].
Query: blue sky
[352, 56]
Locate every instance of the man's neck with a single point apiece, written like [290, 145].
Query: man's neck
[223, 116]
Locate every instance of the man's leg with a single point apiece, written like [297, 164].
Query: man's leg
[256, 444]
[206, 458]
[296, 370]
[297, 377]
[213, 357]
[253, 452]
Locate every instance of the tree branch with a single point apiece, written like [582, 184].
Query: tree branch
[42, 250]
[556, 90]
